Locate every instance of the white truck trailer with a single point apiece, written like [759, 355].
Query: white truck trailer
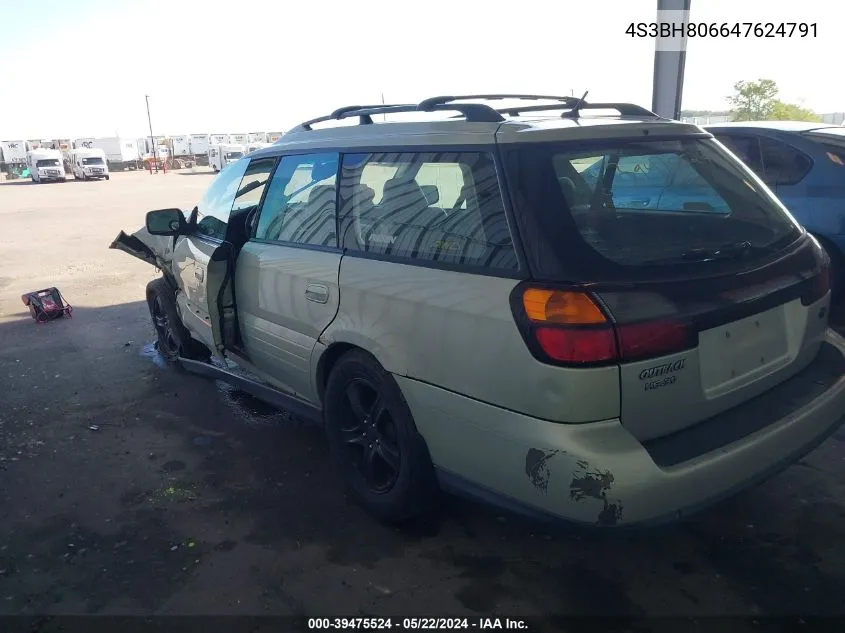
[121, 153]
[181, 146]
[199, 148]
[13, 153]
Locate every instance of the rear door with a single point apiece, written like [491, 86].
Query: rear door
[287, 274]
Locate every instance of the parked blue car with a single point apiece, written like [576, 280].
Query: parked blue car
[658, 182]
[804, 165]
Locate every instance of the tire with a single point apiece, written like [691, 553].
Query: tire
[361, 397]
[107, 177]
[172, 338]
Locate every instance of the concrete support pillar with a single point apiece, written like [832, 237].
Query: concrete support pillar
[669, 59]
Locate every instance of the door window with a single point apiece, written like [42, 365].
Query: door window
[215, 206]
[300, 203]
[253, 183]
[443, 207]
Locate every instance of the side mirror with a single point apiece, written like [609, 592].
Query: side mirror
[166, 222]
[431, 193]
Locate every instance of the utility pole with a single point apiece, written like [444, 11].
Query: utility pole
[152, 138]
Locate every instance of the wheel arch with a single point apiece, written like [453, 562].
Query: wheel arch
[329, 352]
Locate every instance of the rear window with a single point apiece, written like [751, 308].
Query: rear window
[642, 203]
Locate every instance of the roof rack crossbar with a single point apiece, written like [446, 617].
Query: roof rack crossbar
[625, 109]
[493, 97]
[474, 112]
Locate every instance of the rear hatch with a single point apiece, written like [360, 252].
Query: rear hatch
[708, 292]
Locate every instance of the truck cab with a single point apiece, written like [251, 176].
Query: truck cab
[46, 165]
[89, 164]
[221, 155]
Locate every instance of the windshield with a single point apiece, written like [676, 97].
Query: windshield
[96, 160]
[233, 155]
[47, 162]
[645, 203]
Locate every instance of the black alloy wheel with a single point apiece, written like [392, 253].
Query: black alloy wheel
[369, 434]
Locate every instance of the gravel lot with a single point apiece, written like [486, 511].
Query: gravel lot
[127, 487]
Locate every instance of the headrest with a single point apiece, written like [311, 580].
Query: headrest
[406, 193]
[321, 193]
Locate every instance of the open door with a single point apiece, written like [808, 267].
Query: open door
[200, 259]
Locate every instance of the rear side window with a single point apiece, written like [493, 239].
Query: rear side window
[443, 207]
[832, 141]
[215, 206]
[591, 210]
[299, 206]
[783, 164]
[747, 149]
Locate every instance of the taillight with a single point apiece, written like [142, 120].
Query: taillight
[819, 288]
[652, 338]
[577, 345]
[574, 327]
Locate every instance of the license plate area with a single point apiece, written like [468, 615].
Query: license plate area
[737, 353]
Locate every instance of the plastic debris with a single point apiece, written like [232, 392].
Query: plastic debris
[174, 548]
[94, 427]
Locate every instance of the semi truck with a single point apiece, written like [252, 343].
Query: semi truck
[121, 153]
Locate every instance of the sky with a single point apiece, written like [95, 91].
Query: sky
[75, 69]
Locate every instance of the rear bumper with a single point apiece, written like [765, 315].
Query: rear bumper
[599, 474]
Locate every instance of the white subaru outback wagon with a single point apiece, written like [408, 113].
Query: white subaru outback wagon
[578, 310]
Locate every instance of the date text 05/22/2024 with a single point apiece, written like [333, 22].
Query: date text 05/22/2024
[418, 624]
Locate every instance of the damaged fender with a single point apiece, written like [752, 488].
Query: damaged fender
[156, 250]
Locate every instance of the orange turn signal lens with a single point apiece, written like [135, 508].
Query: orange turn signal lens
[559, 306]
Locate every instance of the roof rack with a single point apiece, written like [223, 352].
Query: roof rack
[475, 112]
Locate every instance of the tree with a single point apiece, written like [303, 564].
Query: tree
[753, 100]
[792, 112]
